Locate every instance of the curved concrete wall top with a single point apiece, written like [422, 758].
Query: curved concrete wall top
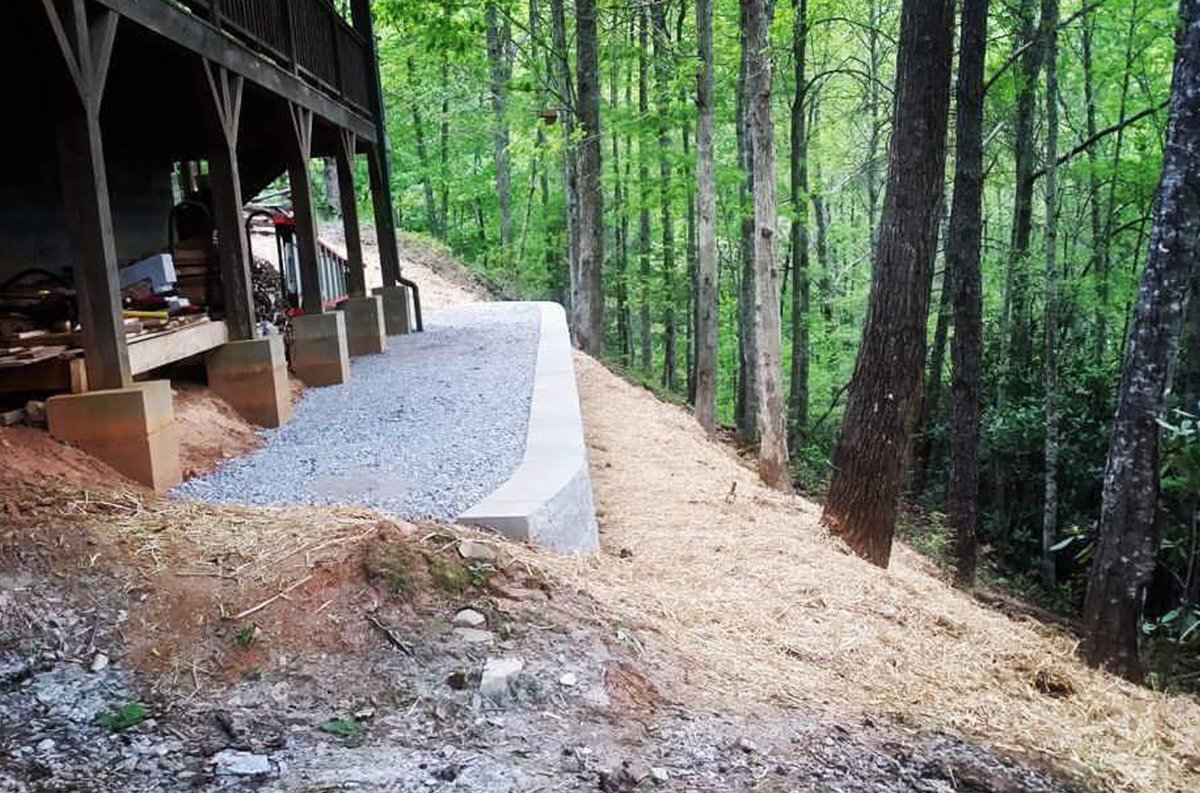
[548, 498]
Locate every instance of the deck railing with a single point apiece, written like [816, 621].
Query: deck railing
[307, 37]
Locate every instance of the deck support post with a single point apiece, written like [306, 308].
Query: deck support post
[85, 44]
[305, 212]
[356, 283]
[225, 91]
[381, 180]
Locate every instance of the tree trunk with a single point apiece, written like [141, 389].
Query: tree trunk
[798, 408]
[566, 90]
[708, 317]
[1051, 319]
[662, 78]
[963, 254]
[500, 72]
[432, 222]
[588, 304]
[644, 326]
[885, 393]
[333, 193]
[1127, 549]
[746, 403]
[772, 424]
[444, 150]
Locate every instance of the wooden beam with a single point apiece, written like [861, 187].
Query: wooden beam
[195, 34]
[54, 375]
[305, 212]
[378, 167]
[385, 218]
[159, 350]
[224, 116]
[356, 284]
[86, 42]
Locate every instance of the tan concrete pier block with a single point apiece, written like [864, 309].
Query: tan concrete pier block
[252, 377]
[320, 355]
[397, 309]
[132, 429]
[365, 333]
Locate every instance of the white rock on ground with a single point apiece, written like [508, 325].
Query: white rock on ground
[474, 635]
[499, 675]
[469, 618]
[477, 551]
[231, 762]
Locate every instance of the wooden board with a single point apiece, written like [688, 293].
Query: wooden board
[153, 350]
[52, 375]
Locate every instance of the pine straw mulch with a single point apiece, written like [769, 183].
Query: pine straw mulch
[763, 606]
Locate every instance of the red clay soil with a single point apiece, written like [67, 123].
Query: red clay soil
[32, 455]
[210, 432]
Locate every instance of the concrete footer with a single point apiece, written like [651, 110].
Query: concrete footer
[397, 309]
[252, 377]
[320, 351]
[131, 429]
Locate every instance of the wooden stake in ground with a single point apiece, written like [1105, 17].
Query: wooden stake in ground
[772, 426]
[1127, 551]
[885, 394]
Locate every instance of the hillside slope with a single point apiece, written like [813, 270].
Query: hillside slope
[745, 584]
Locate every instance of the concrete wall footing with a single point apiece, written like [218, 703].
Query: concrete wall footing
[548, 499]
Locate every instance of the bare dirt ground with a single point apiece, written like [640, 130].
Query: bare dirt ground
[719, 642]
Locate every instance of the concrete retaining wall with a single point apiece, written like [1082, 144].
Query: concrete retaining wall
[548, 499]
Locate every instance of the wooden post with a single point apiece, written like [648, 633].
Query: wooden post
[357, 281]
[86, 47]
[225, 91]
[381, 180]
[305, 213]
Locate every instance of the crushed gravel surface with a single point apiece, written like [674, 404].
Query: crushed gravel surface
[425, 430]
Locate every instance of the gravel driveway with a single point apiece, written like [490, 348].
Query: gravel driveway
[425, 430]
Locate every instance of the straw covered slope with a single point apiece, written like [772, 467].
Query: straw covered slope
[764, 608]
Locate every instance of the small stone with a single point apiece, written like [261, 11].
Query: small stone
[231, 762]
[568, 679]
[746, 745]
[469, 618]
[660, 775]
[46, 745]
[474, 636]
[499, 675]
[99, 662]
[476, 551]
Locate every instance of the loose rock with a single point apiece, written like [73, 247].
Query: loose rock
[469, 618]
[477, 551]
[474, 636]
[231, 762]
[499, 676]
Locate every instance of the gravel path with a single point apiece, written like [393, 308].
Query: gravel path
[425, 430]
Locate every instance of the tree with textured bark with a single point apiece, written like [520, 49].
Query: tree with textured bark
[963, 260]
[500, 69]
[1050, 351]
[798, 395]
[588, 301]
[662, 78]
[885, 393]
[707, 315]
[1128, 546]
[772, 424]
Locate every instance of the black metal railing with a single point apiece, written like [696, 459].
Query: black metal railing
[307, 37]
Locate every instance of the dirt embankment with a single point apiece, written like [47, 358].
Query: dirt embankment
[720, 641]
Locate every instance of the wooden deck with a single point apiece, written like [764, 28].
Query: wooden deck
[148, 351]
